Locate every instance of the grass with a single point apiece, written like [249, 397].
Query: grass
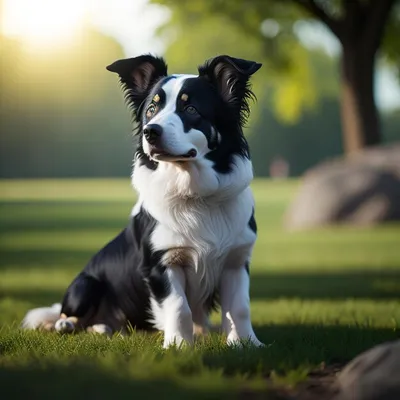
[321, 296]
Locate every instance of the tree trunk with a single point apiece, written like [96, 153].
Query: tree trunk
[360, 121]
[360, 32]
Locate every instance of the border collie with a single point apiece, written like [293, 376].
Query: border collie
[187, 247]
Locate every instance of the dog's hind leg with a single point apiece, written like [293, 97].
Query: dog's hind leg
[80, 303]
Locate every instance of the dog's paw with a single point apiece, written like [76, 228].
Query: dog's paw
[66, 325]
[257, 343]
[240, 342]
[48, 326]
[100, 329]
[177, 341]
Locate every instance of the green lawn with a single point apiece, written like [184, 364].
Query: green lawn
[320, 296]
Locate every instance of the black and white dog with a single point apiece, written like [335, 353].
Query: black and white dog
[188, 243]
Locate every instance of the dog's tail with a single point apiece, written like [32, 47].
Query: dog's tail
[42, 318]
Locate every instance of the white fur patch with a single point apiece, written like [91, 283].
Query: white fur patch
[235, 307]
[101, 329]
[64, 325]
[39, 317]
[174, 316]
[171, 182]
[136, 208]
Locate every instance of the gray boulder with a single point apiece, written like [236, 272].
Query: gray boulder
[373, 375]
[362, 189]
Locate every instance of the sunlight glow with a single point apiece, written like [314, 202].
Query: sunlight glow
[43, 23]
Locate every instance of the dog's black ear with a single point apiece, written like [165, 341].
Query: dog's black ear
[231, 78]
[138, 75]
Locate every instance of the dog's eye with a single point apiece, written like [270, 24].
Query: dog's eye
[150, 111]
[191, 110]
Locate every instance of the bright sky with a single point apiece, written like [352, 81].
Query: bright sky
[42, 24]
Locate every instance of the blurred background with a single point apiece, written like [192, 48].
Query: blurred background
[325, 142]
[320, 92]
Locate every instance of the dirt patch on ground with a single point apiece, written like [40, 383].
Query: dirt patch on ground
[321, 384]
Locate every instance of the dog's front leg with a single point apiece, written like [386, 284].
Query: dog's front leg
[235, 306]
[177, 316]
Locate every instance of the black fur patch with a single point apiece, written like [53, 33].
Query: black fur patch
[118, 274]
[137, 76]
[83, 296]
[252, 223]
[247, 267]
[144, 159]
[204, 99]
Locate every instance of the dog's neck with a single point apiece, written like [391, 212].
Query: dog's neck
[189, 199]
[194, 180]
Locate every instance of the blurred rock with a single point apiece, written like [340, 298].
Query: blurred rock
[362, 189]
[373, 375]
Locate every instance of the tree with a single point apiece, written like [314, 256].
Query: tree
[359, 25]
[360, 29]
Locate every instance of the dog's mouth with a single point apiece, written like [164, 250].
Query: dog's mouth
[162, 155]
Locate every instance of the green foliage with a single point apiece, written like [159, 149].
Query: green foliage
[262, 30]
[297, 89]
[297, 115]
[317, 297]
[312, 139]
[222, 27]
[391, 44]
[391, 124]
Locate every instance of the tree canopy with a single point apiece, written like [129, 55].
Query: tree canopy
[270, 30]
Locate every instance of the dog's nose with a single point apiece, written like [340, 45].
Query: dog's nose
[152, 133]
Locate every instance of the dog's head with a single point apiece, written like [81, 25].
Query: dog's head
[183, 118]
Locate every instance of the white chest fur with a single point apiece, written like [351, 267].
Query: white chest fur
[202, 219]
[213, 236]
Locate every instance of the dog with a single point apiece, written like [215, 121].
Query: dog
[187, 247]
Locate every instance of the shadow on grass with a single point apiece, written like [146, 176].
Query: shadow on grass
[269, 286]
[351, 284]
[22, 260]
[66, 215]
[83, 376]
[87, 381]
[293, 346]
[72, 224]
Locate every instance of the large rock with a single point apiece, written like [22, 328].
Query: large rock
[363, 189]
[373, 375]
